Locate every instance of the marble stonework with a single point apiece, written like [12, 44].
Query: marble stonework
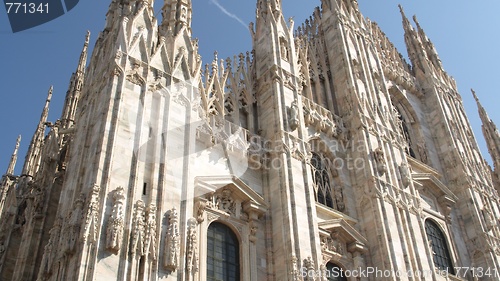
[320, 146]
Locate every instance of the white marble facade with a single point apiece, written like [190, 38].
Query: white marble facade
[321, 147]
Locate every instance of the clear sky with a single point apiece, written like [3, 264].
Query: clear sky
[464, 32]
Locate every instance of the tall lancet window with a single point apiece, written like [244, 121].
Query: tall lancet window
[324, 191]
[440, 253]
[223, 253]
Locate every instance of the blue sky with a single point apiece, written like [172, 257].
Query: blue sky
[464, 33]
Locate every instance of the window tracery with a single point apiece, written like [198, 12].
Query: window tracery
[324, 192]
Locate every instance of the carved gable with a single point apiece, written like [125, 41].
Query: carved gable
[340, 237]
[228, 195]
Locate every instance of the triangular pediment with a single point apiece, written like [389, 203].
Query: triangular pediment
[343, 230]
[206, 187]
[419, 167]
[433, 185]
[160, 59]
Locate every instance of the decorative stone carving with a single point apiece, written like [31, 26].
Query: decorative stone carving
[223, 201]
[138, 230]
[294, 115]
[253, 231]
[332, 244]
[324, 274]
[91, 225]
[287, 81]
[172, 247]
[378, 155]
[192, 248]
[133, 75]
[226, 202]
[116, 222]
[488, 219]
[283, 49]
[150, 234]
[327, 244]
[212, 217]
[50, 252]
[328, 124]
[21, 214]
[309, 265]
[295, 269]
[323, 120]
[72, 230]
[404, 170]
[117, 71]
[339, 198]
[135, 78]
[422, 151]
[200, 210]
[38, 202]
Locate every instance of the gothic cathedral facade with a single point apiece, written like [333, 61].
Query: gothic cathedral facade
[321, 151]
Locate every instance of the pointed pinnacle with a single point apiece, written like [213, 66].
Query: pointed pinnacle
[83, 55]
[405, 19]
[416, 21]
[18, 142]
[49, 94]
[13, 159]
[45, 112]
[474, 94]
[214, 62]
[87, 38]
[401, 10]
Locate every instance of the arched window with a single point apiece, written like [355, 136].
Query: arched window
[440, 252]
[223, 253]
[334, 273]
[322, 181]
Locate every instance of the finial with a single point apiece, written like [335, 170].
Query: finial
[13, 159]
[45, 112]
[49, 94]
[18, 142]
[401, 10]
[87, 38]
[474, 94]
[416, 20]
[214, 62]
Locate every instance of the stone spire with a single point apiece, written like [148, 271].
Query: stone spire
[176, 16]
[432, 54]
[13, 158]
[421, 50]
[491, 135]
[32, 159]
[75, 88]
[416, 52]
